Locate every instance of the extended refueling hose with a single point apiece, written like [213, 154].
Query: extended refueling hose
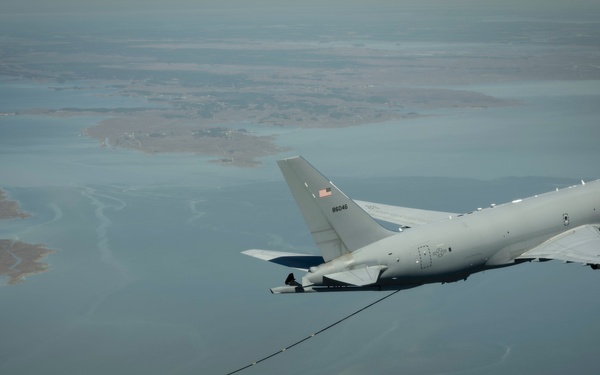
[312, 335]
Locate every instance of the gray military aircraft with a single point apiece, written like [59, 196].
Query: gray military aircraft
[430, 246]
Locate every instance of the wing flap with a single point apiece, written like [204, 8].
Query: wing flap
[293, 260]
[358, 277]
[580, 245]
[403, 216]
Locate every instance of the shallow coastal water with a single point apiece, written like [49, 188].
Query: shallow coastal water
[148, 277]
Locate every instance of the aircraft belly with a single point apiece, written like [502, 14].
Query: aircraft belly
[494, 237]
[460, 247]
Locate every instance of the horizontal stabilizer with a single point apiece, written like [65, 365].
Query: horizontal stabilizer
[580, 245]
[299, 261]
[402, 216]
[359, 276]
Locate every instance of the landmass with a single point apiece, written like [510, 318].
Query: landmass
[215, 109]
[10, 209]
[19, 259]
[225, 96]
[152, 133]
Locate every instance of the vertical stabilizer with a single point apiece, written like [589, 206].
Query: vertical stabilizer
[337, 224]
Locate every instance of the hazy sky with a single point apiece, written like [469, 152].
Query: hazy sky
[34, 6]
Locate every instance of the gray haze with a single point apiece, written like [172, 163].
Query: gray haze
[32, 6]
[468, 103]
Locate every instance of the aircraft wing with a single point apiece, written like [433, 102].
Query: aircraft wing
[299, 261]
[579, 245]
[403, 216]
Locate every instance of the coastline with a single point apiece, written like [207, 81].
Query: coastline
[10, 209]
[19, 259]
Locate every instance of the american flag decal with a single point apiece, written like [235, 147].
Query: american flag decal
[324, 192]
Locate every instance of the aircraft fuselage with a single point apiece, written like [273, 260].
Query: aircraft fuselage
[451, 249]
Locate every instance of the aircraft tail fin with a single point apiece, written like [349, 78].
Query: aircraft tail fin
[337, 224]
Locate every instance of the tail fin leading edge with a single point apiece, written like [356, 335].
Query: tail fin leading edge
[337, 224]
